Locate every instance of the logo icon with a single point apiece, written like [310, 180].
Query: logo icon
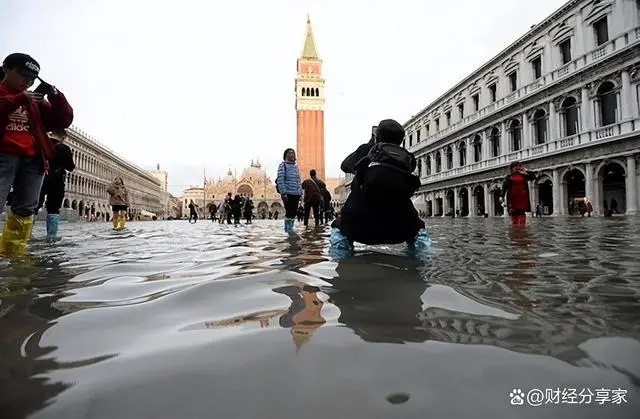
[32, 66]
[516, 397]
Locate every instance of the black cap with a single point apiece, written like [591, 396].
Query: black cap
[23, 63]
[390, 131]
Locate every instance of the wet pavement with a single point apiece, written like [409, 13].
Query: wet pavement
[172, 320]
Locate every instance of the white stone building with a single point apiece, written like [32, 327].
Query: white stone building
[562, 99]
[163, 177]
[96, 167]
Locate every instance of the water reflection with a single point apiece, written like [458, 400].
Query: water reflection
[24, 319]
[379, 297]
[206, 319]
[304, 315]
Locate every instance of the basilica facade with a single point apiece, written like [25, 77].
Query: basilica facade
[253, 182]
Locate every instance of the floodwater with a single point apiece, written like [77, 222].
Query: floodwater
[172, 320]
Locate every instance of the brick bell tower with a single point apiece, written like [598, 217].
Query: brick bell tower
[310, 109]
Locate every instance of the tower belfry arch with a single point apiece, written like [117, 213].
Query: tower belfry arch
[310, 108]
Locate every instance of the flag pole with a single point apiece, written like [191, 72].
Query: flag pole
[204, 191]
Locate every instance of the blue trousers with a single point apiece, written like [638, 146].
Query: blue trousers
[25, 174]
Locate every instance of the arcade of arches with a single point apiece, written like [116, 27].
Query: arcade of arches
[605, 183]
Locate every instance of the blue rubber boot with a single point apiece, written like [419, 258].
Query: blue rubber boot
[340, 246]
[52, 225]
[288, 225]
[421, 243]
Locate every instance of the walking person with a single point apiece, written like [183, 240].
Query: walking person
[193, 212]
[213, 209]
[312, 188]
[119, 201]
[25, 147]
[53, 185]
[248, 210]
[289, 187]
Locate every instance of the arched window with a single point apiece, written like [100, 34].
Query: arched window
[607, 103]
[304, 91]
[420, 167]
[477, 149]
[540, 126]
[569, 116]
[317, 92]
[428, 164]
[515, 133]
[462, 153]
[308, 93]
[313, 92]
[449, 158]
[495, 142]
[438, 162]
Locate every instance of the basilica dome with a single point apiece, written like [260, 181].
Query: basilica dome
[254, 173]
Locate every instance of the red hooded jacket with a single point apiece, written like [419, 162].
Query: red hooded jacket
[52, 115]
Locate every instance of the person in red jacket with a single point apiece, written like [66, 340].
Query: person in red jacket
[25, 148]
[516, 187]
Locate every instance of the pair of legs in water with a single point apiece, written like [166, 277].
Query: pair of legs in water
[341, 246]
[119, 216]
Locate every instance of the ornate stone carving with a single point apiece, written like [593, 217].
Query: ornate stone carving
[615, 78]
[634, 73]
[557, 102]
[597, 9]
[490, 77]
[510, 65]
[532, 111]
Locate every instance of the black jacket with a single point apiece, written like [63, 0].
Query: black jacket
[62, 161]
[389, 223]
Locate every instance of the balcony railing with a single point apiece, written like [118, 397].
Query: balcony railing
[599, 134]
[585, 60]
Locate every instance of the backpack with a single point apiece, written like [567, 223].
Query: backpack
[285, 178]
[386, 173]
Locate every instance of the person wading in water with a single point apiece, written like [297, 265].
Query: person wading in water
[289, 187]
[516, 187]
[119, 201]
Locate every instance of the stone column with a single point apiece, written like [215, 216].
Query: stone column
[456, 155]
[486, 146]
[486, 199]
[585, 110]
[456, 203]
[553, 122]
[526, 132]
[470, 201]
[626, 93]
[632, 186]
[556, 192]
[588, 182]
[469, 142]
[596, 201]
[504, 139]
[485, 190]
[534, 195]
[445, 203]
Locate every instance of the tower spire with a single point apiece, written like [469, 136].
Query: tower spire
[309, 48]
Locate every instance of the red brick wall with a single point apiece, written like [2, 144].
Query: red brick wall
[310, 143]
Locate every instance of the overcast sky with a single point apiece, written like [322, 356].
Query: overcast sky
[197, 84]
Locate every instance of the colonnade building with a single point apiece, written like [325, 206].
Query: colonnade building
[563, 99]
[96, 167]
